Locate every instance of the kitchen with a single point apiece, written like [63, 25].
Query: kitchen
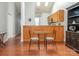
[41, 29]
[48, 20]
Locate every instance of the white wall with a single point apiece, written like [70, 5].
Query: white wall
[27, 11]
[8, 20]
[30, 13]
[61, 5]
[11, 20]
[22, 19]
[3, 13]
[3, 17]
[17, 24]
[44, 19]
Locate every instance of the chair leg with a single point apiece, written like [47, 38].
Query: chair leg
[39, 44]
[46, 44]
[29, 45]
[54, 43]
[2, 44]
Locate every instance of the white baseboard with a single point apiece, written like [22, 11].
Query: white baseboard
[7, 38]
[21, 40]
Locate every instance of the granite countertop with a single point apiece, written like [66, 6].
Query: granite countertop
[74, 32]
[44, 25]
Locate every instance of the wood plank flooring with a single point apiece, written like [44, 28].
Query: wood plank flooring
[15, 48]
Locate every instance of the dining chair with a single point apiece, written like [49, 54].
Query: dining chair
[33, 39]
[2, 34]
[50, 38]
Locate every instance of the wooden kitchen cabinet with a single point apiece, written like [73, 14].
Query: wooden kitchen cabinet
[57, 16]
[26, 33]
[50, 19]
[72, 40]
[61, 15]
[59, 33]
[68, 38]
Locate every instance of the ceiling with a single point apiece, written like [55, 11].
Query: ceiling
[43, 9]
[38, 9]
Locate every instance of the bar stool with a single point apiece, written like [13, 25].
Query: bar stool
[2, 34]
[51, 38]
[33, 39]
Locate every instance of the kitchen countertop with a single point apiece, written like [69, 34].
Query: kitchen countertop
[44, 25]
[74, 32]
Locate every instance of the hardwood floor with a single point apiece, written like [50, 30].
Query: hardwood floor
[15, 48]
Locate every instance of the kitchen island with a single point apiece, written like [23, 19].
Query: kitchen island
[59, 31]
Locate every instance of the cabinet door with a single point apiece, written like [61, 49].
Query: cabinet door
[77, 41]
[49, 19]
[61, 15]
[58, 16]
[55, 17]
[68, 37]
[57, 34]
[26, 33]
[77, 44]
[60, 33]
[73, 40]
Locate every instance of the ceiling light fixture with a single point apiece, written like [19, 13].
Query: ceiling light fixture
[38, 3]
[46, 3]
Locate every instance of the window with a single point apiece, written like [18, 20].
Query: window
[36, 21]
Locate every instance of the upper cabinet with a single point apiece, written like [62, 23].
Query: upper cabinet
[57, 16]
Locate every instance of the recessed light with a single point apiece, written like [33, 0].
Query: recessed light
[46, 3]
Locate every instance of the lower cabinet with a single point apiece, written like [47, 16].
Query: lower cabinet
[78, 44]
[59, 33]
[68, 41]
[72, 40]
